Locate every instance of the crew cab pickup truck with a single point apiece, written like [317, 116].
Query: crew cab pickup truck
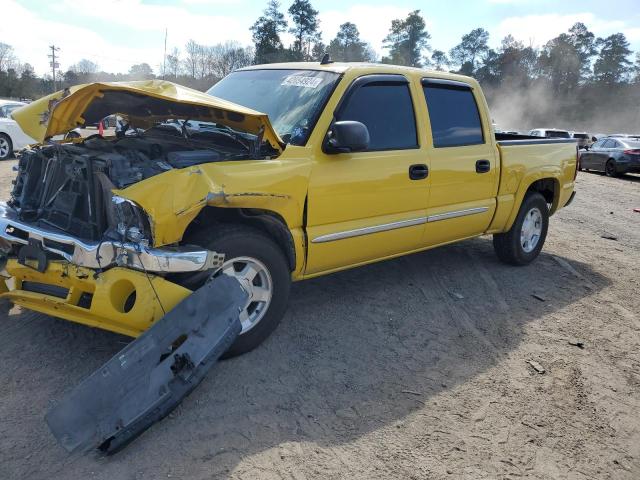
[295, 170]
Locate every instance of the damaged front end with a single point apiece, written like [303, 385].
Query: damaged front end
[76, 206]
[92, 233]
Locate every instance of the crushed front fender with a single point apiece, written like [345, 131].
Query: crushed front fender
[147, 379]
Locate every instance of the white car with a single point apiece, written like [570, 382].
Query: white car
[12, 138]
[549, 133]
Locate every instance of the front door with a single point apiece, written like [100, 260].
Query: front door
[464, 169]
[369, 205]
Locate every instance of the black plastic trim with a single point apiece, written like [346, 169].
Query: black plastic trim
[383, 78]
[442, 83]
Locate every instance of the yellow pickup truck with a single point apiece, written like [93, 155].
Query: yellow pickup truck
[278, 173]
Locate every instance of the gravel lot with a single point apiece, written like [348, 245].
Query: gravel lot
[411, 368]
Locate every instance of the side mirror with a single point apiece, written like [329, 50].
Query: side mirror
[347, 136]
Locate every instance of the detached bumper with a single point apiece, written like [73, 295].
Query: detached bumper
[99, 255]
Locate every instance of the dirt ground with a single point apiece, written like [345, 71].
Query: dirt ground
[414, 368]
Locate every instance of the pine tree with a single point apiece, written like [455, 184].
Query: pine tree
[612, 65]
[347, 46]
[306, 29]
[406, 40]
[266, 34]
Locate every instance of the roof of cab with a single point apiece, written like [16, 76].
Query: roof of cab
[361, 68]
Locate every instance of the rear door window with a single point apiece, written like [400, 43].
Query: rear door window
[386, 109]
[453, 112]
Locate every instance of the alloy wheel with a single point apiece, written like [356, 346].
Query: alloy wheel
[256, 280]
[4, 147]
[531, 230]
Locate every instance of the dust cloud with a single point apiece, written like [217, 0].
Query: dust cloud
[592, 109]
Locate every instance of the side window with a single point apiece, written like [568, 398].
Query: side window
[454, 115]
[598, 144]
[608, 144]
[387, 111]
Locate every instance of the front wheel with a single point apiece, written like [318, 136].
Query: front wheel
[258, 263]
[522, 244]
[6, 147]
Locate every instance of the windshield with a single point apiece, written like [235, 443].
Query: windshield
[292, 99]
[580, 135]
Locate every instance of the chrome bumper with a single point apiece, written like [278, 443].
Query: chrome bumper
[107, 253]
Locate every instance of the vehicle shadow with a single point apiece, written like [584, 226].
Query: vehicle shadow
[339, 367]
[630, 177]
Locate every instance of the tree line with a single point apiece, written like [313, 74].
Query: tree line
[575, 63]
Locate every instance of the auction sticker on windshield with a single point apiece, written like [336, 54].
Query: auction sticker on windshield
[301, 81]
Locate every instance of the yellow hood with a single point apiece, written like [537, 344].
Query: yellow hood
[143, 103]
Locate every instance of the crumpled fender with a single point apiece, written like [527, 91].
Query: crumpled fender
[174, 198]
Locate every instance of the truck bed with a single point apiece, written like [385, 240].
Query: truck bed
[525, 159]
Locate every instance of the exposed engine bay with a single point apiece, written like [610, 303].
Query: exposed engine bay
[68, 187]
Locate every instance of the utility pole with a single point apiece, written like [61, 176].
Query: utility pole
[54, 63]
[164, 61]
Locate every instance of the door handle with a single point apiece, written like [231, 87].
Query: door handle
[483, 166]
[418, 171]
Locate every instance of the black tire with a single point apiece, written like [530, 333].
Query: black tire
[243, 241]
[9, 152]
[508, 246]
[610, 168]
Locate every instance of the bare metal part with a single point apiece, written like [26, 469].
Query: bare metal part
[93, 254]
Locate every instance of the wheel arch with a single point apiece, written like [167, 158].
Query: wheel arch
[268, 221]
[548, 187]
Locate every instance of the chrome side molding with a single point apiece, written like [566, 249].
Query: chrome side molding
[330, 237]
[456, 213]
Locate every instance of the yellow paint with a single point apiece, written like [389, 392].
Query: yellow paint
[342, 192]
[110, 291]
[62, 111]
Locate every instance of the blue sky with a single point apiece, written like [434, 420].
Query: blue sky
[118, 33]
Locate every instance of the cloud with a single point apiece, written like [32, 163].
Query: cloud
[373, 22]
[182, 23]
[145, 22]
[31, 36]
[539, 29]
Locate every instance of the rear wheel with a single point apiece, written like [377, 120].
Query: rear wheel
[523, 243]
[258, 263]
[6, 147]
[610, 168]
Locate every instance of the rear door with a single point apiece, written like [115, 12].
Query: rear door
[464, 162]
[365, 206]
[601, 155]
[587, 157]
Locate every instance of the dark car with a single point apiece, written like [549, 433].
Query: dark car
[614, 156]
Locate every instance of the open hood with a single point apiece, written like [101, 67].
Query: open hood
[143, 103]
